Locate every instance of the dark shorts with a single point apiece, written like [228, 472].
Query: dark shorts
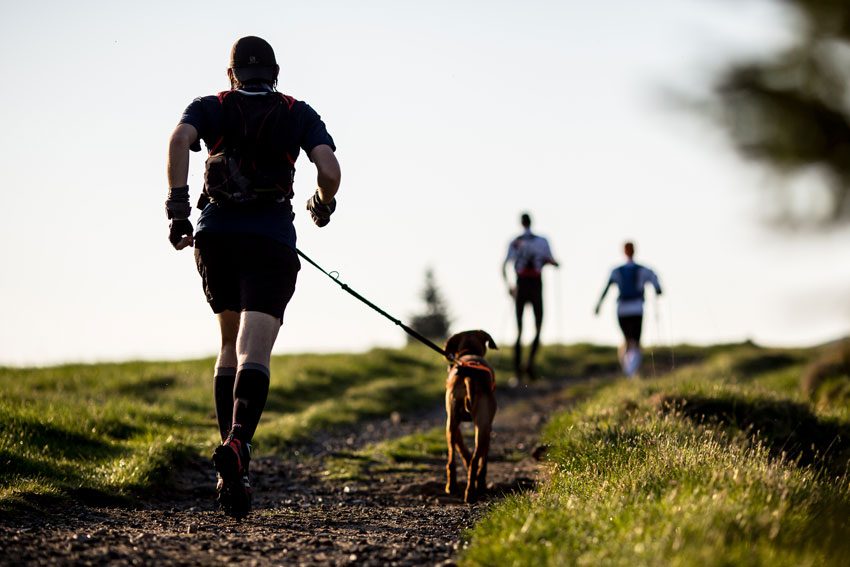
[529, 290]
[246, 272]
[631, 325]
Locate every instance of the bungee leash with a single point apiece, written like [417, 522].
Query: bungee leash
[334, 276]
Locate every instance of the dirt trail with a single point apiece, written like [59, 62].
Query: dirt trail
[300, 517]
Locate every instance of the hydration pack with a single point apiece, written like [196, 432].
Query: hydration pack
[526, 259]
[249, 163]
[629, 283]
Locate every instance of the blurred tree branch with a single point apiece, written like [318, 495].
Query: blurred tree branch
[792, 112]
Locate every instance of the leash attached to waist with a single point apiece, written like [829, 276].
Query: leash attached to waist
[335, 278]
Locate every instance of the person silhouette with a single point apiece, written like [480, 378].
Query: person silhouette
[630, 278]
[529, 253]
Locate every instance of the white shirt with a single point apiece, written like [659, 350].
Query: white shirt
[529, 253]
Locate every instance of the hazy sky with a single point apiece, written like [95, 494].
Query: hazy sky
[450, 119]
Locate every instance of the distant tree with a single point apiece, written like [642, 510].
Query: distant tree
[434, 322]
[792, 111]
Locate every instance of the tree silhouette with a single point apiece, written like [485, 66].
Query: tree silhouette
[434, 322]
[792, 111]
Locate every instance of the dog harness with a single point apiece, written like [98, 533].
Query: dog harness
[476, 367]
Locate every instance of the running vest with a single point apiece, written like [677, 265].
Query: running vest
[249, 162]
[529, 259]
[629, 283]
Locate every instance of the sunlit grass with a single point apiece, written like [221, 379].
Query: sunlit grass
[720, 463]
[117, 429]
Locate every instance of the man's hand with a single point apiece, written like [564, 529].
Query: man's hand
[319, 211]
[512, 291]
[180, 233]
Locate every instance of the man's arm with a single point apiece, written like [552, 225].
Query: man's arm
[653, 279]
[328, 174]
[510, 257]
[602, 298]
[177, 171]
[178, 154]
[550, 259]
[322, 203]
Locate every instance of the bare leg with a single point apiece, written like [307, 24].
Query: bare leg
[225, 371]
[257, 333]
[228, 322]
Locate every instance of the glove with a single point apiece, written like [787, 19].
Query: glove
[320, 212]
[177, 230]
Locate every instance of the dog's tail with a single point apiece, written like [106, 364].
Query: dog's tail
[469, 401]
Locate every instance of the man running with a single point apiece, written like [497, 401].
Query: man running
[245, 240]
[630, 279]
[529, 253]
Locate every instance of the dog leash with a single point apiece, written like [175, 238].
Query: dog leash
[334, 276]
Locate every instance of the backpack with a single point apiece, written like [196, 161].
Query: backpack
[249, 163]
[526, 258]
[629, 284]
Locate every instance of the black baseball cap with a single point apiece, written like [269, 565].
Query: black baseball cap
[252, 58]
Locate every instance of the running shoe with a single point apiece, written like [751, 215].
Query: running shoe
[231, 460]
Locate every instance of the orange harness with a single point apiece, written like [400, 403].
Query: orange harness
[475, 365]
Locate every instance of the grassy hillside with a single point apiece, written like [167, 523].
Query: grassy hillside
[737, 459]
[117, 429]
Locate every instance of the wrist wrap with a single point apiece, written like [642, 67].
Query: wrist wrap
[177, 205]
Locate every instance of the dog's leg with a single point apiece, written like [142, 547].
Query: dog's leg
[461, 447]
[451, 474]
[482, 449]
[477, 471]
[472, 474]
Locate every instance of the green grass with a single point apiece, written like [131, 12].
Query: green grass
[114, 430]
[417, 452]
[722, 462]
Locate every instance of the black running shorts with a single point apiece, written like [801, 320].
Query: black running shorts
[529, 290]
[246, 272]
[631, 325]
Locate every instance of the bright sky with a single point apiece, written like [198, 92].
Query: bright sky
[450, 119]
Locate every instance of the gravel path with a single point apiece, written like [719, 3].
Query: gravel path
[300, 517]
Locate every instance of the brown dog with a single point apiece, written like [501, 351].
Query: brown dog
[469, 397]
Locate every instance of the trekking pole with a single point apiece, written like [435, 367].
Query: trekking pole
[558, 327]
[658, 339]
[670, 331]
[424, 340]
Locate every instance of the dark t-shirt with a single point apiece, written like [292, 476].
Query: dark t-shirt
[273, 220]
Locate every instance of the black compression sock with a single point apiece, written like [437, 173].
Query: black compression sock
[250, 394]
[223, 384]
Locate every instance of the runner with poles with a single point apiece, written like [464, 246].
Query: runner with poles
[529, 254]
[630, 279]
[245, 239]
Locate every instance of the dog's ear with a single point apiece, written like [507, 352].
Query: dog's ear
[453, 343]
[485, 337]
